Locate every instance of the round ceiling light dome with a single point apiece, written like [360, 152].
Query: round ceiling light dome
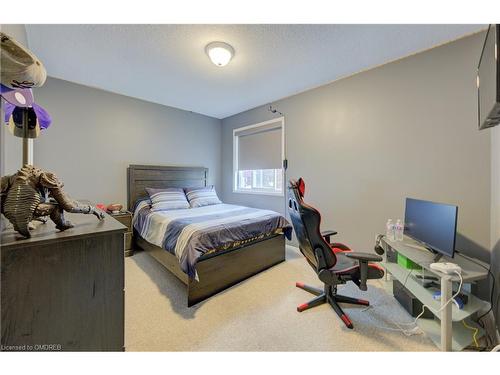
[220, 53]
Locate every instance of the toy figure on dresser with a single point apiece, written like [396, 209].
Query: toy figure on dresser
[114, 208]
[32, 194]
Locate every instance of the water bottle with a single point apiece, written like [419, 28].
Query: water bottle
[399, 230]
[389, 230]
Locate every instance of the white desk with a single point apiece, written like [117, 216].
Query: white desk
[446, 330]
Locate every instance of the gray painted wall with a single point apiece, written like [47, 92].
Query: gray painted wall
[95, 135]
[362, 143]
[366, 142]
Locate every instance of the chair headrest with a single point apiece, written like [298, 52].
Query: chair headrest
[300, 185]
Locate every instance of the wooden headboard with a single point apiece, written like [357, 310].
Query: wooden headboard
[139, 177]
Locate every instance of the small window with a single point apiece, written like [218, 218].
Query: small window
[258, 154]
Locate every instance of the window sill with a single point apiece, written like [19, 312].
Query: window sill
[254, 192]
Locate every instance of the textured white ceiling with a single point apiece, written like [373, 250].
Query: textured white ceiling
[167, 64]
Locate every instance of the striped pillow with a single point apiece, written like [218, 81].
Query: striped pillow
[167, 199]
[199, 197]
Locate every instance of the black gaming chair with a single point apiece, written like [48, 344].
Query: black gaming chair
[334, 263]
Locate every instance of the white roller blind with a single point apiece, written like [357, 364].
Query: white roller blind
[260, 148]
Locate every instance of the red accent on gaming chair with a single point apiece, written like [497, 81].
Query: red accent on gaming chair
[334, 263]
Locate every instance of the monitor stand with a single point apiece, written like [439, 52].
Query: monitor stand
[437, 257]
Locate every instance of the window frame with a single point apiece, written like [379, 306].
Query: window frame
[235, 188]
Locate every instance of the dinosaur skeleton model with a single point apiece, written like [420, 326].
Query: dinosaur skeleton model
[32, 194]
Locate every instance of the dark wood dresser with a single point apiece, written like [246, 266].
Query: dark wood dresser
[64, 290]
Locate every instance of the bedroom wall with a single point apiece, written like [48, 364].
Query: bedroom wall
[96, 134]
[364, 143]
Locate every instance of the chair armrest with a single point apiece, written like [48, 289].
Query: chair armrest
[363, 259]
[327, 234]
[367, 257]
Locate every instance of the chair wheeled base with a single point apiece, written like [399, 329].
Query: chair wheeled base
[329, 294]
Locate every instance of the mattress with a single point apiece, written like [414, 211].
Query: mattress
[193, 232]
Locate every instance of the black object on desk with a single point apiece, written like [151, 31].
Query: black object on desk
[430, 284]
[426, 277]
[391, 255]
[409, 302]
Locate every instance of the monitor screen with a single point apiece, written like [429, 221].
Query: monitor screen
[433, 224]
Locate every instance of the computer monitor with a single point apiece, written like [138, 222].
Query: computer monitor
[432, 224]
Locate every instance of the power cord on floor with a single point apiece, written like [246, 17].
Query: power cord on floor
[474, 336]
[404, 285]
[412, 332]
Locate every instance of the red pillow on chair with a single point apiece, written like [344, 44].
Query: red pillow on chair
[302, 187]
[339, 248]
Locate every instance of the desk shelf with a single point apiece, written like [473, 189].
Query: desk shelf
[471, 270]
[455, 335]
[425, 295]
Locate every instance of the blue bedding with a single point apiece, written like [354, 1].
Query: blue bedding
[191, 233]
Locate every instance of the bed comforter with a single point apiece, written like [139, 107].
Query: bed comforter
[191, 233]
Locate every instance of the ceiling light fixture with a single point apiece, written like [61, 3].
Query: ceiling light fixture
[220, 53]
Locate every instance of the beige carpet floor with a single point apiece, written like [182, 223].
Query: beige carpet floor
[256, 315]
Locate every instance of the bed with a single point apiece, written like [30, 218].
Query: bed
[210, 270]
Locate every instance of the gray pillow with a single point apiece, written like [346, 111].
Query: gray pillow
[167, 199]
[204, 196]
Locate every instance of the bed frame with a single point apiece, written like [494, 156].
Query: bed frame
[217, 271]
